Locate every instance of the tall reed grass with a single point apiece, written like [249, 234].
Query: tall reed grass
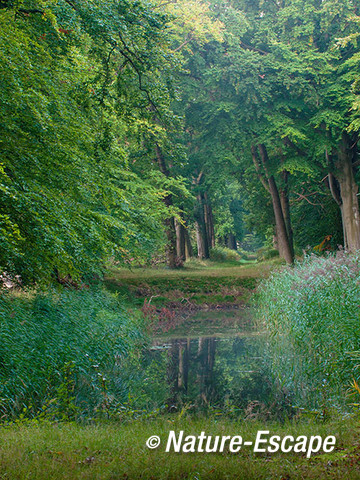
[312, 311]
[62, 353]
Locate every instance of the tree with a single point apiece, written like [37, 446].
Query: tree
[276, 77]
[74, 90]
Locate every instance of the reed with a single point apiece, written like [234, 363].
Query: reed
[61, 353]
[312, 312]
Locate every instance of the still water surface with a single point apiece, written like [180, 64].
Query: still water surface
[213, 359]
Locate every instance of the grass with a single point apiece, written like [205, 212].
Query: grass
[61, 352]
[118, 451]
[199, 283]
[196, 268]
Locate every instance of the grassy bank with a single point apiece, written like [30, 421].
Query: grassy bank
[77, 354]
[198, 284]
[114, 451]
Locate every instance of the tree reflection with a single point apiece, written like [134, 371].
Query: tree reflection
[211, 371]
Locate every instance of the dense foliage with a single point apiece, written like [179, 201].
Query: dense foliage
[72, 102]
[136, 130]
[132, 126]
[275, 105]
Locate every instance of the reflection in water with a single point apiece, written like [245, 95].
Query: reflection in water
[212, 370]
[211, 360]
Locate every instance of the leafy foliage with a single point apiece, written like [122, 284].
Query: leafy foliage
[223, 254]
[69, 195]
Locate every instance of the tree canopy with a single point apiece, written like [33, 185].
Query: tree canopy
[132, 127]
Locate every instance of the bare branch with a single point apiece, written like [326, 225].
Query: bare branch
[188, 39]
[162, 5]
[301, 196]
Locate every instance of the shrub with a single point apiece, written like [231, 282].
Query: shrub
[266, 253]
[312, 313]
[63, 352]
[223, 254]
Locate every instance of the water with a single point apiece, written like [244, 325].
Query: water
[211, 360]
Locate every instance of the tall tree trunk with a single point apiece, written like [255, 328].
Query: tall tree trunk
[344, 190]
[171, 243]
[231, 241]
[285, 250]
[201, 241]
[335, 192]
[170, 248]
[285, 205]
[283, 239]
[180, 240]
[348, 191]
[201, 233]
[188, 247]
[209, 221]
[200, 225]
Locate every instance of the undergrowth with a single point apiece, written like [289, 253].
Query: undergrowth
[312, 311]
[224, 254]
[62, 353]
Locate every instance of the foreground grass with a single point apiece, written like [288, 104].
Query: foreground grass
[118, 451]
[59, 351]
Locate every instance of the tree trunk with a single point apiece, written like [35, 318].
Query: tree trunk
[282, 236]
[348, 191]
[188, 247]
[200, 241]
[200, 225]
[209, 221]
[180, 240]
[170, 248]
[231, 241]
[169, 223]
[201, 233]
[285, 205]
[344, 190]
[281, 231]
